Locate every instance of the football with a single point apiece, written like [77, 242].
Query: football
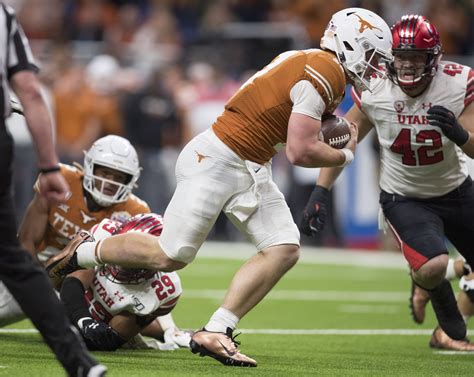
[335, 131]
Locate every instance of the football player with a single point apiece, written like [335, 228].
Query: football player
[102, 189]
[424, 119]
[228, 168]
[112, 305]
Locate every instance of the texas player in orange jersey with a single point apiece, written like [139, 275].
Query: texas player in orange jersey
[228, 168]
[103, 189]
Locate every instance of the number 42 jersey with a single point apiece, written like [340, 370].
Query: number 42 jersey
[417, 160]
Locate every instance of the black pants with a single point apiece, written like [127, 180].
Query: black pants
[422, 224]
[27, 281]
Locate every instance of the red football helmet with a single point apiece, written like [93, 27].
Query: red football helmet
[414, 36]
[144, 223]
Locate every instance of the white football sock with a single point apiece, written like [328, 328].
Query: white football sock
[86, 255]
[450, 272]
[221, 320]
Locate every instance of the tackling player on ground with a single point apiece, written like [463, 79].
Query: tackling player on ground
[102, 189]
[424, 118]
[228, 168]
[112, 305]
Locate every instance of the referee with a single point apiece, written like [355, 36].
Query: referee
[24, 279]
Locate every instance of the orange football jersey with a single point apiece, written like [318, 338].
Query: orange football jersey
[255, 120]
[65, 220]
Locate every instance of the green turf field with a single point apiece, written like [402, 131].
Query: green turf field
[320, 320]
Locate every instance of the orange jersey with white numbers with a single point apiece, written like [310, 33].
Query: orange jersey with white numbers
[65, 220]
[255, 120]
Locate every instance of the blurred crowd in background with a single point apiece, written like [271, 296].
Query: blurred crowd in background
[160, 71]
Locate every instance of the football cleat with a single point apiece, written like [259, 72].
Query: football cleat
[418, 300]
[440, 340]
[220, 346]
[66, 261]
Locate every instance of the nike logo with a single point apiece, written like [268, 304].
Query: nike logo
[230, 353]
[201, 156]
[256, 170]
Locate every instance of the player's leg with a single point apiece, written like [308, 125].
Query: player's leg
[28, 283]
[203, 187]
[420, 233]
[272, 230]
[10, 311]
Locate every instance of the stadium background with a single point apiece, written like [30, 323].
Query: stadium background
[159, 71]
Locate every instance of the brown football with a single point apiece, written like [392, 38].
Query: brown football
[335, 131]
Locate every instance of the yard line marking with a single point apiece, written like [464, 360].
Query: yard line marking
[298, 295]
[446, 352]
[369, 309]
[403, 332]
[310, 255]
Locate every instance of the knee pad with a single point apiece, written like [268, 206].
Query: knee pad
[466, 283]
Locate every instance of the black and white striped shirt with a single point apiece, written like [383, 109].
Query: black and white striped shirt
[15, 54]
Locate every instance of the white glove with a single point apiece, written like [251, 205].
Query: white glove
[177, 337]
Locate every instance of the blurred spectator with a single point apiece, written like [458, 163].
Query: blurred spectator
[152, 126]
[86, 106]
[158, 40]
[87, 20]
[454, 23]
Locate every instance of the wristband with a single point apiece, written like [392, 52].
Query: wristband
[52, 169]
[349, 155]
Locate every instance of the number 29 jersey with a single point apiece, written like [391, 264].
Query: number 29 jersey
[152, 297]
[417, 160]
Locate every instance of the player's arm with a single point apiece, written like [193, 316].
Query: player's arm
[34, 223]
[303, 147]
[328, 176]
[315, 211]
[127, 325]
[97, 335]
[466, 119]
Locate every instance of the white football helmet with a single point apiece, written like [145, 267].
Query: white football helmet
[116, 153]
[361, 40]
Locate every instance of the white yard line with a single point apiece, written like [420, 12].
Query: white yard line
[310, 255]
[402, 332]
[298, 295]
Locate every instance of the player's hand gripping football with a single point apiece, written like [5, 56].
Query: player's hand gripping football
[315, 212]
[443, 118]
[99, 336]
[352, 143]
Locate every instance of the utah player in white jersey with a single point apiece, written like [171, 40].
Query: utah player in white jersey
[424, 119]
[112, 305]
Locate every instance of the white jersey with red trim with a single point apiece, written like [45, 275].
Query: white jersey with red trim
[417, 160]
[154, 296]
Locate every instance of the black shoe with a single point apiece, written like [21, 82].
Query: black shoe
[86, 366]
[447, 312]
